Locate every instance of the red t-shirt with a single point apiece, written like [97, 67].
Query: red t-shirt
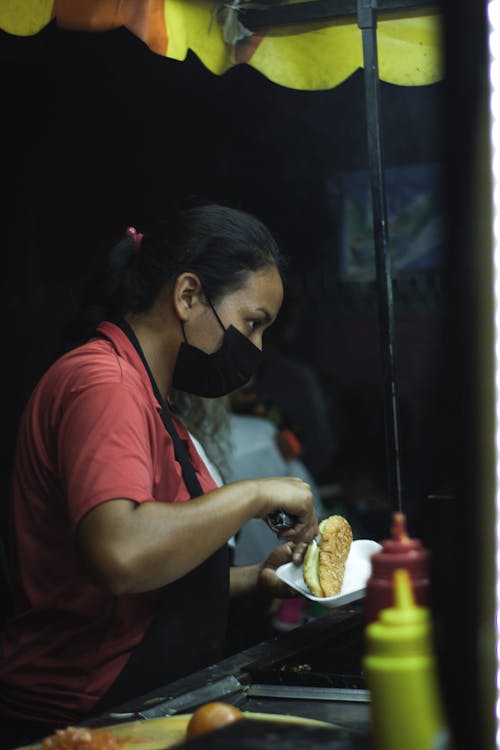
[91, 432]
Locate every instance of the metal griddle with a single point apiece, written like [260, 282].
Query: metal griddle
[314, 671]
[322, 662]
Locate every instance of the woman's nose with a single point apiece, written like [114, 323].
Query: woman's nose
[257, 340]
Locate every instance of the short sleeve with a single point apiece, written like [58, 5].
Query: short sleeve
[105, 448]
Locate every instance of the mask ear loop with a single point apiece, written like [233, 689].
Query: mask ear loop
[184, 332]
[214, 312]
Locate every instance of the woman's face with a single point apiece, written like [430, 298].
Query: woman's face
[251, 309]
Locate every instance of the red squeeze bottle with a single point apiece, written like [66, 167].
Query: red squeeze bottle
[398, 552]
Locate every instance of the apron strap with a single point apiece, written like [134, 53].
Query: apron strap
[181, 454]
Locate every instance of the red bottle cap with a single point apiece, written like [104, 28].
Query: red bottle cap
[400, 551]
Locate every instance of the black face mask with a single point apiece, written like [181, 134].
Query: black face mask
[220, 373]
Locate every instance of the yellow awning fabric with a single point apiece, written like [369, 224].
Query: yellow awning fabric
[308, 56]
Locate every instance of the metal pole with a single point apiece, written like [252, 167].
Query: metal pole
[367, 22]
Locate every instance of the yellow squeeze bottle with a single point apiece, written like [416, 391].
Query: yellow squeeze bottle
[401, 674]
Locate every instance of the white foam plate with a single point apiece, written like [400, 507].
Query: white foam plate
[357, 572]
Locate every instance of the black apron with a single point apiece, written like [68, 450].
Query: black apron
[189, 630]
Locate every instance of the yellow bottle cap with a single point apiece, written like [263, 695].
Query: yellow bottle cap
[405, 628]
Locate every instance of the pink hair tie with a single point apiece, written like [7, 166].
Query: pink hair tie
[137, 236]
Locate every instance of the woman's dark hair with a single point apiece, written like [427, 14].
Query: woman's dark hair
[221, 245]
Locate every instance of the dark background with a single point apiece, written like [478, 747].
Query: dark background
[100, 133]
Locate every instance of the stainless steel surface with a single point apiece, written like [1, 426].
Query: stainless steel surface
[308, 693]
[183, 703]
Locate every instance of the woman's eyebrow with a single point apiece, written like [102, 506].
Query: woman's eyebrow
[267, 315]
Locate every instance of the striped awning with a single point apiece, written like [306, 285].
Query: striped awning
[310, 56]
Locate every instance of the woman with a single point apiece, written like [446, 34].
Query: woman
[119, 530]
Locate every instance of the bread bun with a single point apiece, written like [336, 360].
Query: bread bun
[324, 563]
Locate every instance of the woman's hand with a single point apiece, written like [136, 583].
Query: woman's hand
[268, 581]
[295, 497]
[260, 580]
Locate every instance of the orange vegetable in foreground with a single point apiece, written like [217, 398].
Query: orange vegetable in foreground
[81, 738]
[211, 716]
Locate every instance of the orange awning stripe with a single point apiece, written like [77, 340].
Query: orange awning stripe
[311, 56]
[144, 18]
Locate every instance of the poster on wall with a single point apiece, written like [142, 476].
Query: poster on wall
[415, 219]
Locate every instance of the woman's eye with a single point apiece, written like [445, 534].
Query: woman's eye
[253, 324]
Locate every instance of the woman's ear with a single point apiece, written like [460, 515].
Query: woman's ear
[188, 295]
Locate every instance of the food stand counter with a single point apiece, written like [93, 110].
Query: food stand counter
[313, 672]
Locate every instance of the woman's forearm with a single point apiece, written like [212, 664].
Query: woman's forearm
[131, 548]
[244, 580]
